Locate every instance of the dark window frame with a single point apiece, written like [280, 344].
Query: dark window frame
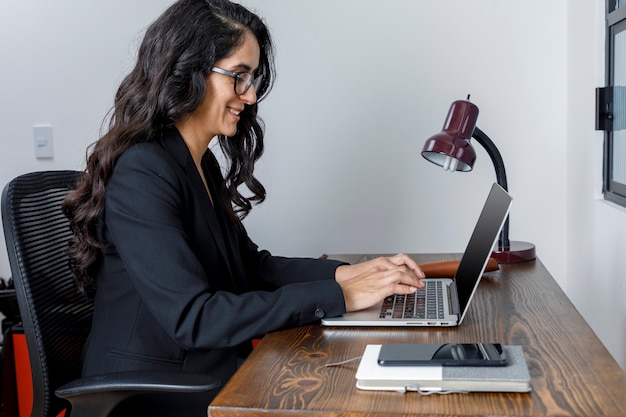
[614, 191]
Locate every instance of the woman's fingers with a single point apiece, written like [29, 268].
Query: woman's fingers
[349, 271]
[374, 284]
[402, 259]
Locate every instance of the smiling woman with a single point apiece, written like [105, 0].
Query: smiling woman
[219, 112]
[158, 237]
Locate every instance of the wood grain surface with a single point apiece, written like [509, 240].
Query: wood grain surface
[572, 373]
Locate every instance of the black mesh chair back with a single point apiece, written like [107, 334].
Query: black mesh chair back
[55, 315]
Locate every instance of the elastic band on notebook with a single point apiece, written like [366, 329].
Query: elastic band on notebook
[416, 388]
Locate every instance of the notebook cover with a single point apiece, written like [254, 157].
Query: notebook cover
[514, 377]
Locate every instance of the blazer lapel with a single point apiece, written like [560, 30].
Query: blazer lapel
[212, 172]
[176, 147]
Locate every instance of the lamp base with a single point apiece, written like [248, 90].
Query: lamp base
[515, 252]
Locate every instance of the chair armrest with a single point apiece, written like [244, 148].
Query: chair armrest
[143, 381]
[96, 396]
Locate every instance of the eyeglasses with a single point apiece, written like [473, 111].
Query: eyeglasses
[243, 80]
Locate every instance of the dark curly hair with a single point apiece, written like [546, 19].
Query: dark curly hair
[167, 83]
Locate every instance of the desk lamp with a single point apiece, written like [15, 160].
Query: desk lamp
[452, 150]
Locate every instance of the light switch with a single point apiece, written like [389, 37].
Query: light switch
[42, 135]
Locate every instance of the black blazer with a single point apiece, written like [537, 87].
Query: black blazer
[179, 286]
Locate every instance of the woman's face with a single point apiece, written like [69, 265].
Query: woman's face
[218, 114]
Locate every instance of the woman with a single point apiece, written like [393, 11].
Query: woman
[157, 228]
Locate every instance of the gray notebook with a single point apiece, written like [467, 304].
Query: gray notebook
[514, 377]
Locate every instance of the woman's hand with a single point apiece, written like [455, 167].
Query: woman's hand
[368, 283]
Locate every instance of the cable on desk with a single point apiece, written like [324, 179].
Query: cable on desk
[343, 362]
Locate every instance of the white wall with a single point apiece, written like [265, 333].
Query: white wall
[596, 230]
[359, 93]
[361, 85]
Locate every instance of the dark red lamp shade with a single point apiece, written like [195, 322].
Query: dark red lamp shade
[451, 148]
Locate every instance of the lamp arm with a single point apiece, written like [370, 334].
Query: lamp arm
[494, 154]
[498, 164]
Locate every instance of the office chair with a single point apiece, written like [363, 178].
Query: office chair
[56, 316]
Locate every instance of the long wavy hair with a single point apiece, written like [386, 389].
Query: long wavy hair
[167, 83]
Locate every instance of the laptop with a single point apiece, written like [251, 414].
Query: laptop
[445, 301]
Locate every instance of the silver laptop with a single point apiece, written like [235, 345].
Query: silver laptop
[445, 301]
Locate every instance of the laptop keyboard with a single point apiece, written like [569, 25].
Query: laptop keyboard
[426, 303]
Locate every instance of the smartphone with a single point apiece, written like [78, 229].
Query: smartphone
[442, 354]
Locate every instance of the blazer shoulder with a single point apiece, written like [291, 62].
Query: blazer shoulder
[168, 148]
[150, 156]
[149, 152]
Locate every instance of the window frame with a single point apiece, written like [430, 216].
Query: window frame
[613, 191]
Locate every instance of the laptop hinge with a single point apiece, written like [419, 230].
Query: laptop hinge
[453, 301]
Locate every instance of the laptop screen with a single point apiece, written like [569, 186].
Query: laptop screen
[481, 243]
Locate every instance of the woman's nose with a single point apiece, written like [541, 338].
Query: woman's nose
[249, 97]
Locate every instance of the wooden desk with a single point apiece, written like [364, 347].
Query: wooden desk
[572, 373]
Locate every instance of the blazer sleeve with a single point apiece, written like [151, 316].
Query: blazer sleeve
[276, 271]
[145, 202]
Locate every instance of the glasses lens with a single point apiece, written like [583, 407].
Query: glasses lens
[243, 81]
[257, 83]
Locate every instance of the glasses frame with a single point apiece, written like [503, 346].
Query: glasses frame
[236, 76]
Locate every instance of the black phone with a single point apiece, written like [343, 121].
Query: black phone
[442, 354]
